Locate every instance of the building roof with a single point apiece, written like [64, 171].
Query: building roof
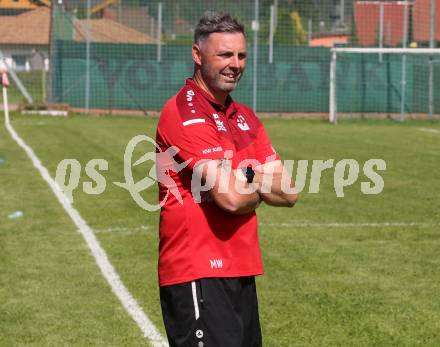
[28, 28]
[17, 4]
[107, 30]
[137, 18]
[32, 28]
[328, 41]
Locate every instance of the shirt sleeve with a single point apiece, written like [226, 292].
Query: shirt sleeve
[264, 151]
[192, 133]
[199, 141]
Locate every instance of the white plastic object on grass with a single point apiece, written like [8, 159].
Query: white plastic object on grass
[16, 215]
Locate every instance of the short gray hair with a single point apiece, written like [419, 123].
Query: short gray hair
[216, 22]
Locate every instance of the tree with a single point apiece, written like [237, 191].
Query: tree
[289, 30]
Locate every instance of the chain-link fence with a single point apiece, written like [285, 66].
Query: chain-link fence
[135, 54]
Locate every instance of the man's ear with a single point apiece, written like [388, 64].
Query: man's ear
[196, 54]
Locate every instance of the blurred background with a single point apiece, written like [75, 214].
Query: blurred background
[135, 54]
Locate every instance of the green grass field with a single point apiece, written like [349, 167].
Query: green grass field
[33, 82]
[363, 270]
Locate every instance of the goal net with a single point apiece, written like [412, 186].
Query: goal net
[384, 82]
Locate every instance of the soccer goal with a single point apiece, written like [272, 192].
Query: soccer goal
[384, 82]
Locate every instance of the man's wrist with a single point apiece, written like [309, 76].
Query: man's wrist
[249, 173]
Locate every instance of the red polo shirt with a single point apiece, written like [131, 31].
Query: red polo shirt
[199, 240]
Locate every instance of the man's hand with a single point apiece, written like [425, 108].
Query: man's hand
[275, 185]
[230, 190]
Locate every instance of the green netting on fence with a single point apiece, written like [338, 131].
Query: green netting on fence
[135, 54]
[127, 71]
[123, 76]
[373, 83]
[128, 77]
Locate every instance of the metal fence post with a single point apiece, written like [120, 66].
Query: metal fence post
[381, 29]
[332, 96]
[88, 34]
[271, 33]
[431, 58]
[342, 13]
[159, 32]
[52, 56]
[309, 31]
[255, 28]
[403, 82]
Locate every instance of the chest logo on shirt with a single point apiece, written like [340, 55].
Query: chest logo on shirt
[218, 122]
[241, 122]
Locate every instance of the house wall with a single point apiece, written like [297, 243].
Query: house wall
[367, 17]
[422, 20]
[26, 58]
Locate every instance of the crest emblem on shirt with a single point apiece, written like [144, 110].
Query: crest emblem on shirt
[218, 122]
[241, 122]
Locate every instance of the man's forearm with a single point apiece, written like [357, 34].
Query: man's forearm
[236, 196]
[278, 200]
[229, 189]
[275, 185]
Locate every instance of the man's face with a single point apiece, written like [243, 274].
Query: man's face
[222, 60]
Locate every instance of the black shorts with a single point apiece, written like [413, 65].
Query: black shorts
[212, 312]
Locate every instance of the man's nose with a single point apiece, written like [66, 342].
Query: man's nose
[235, 62]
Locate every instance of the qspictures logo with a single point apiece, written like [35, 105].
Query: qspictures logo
[346, 172]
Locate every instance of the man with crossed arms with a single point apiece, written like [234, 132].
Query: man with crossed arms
[209, 252]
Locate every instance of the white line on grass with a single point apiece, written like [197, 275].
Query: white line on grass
[351, 225]
[432, 131]
[107, 269]
[294, 225]
[124, 230]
